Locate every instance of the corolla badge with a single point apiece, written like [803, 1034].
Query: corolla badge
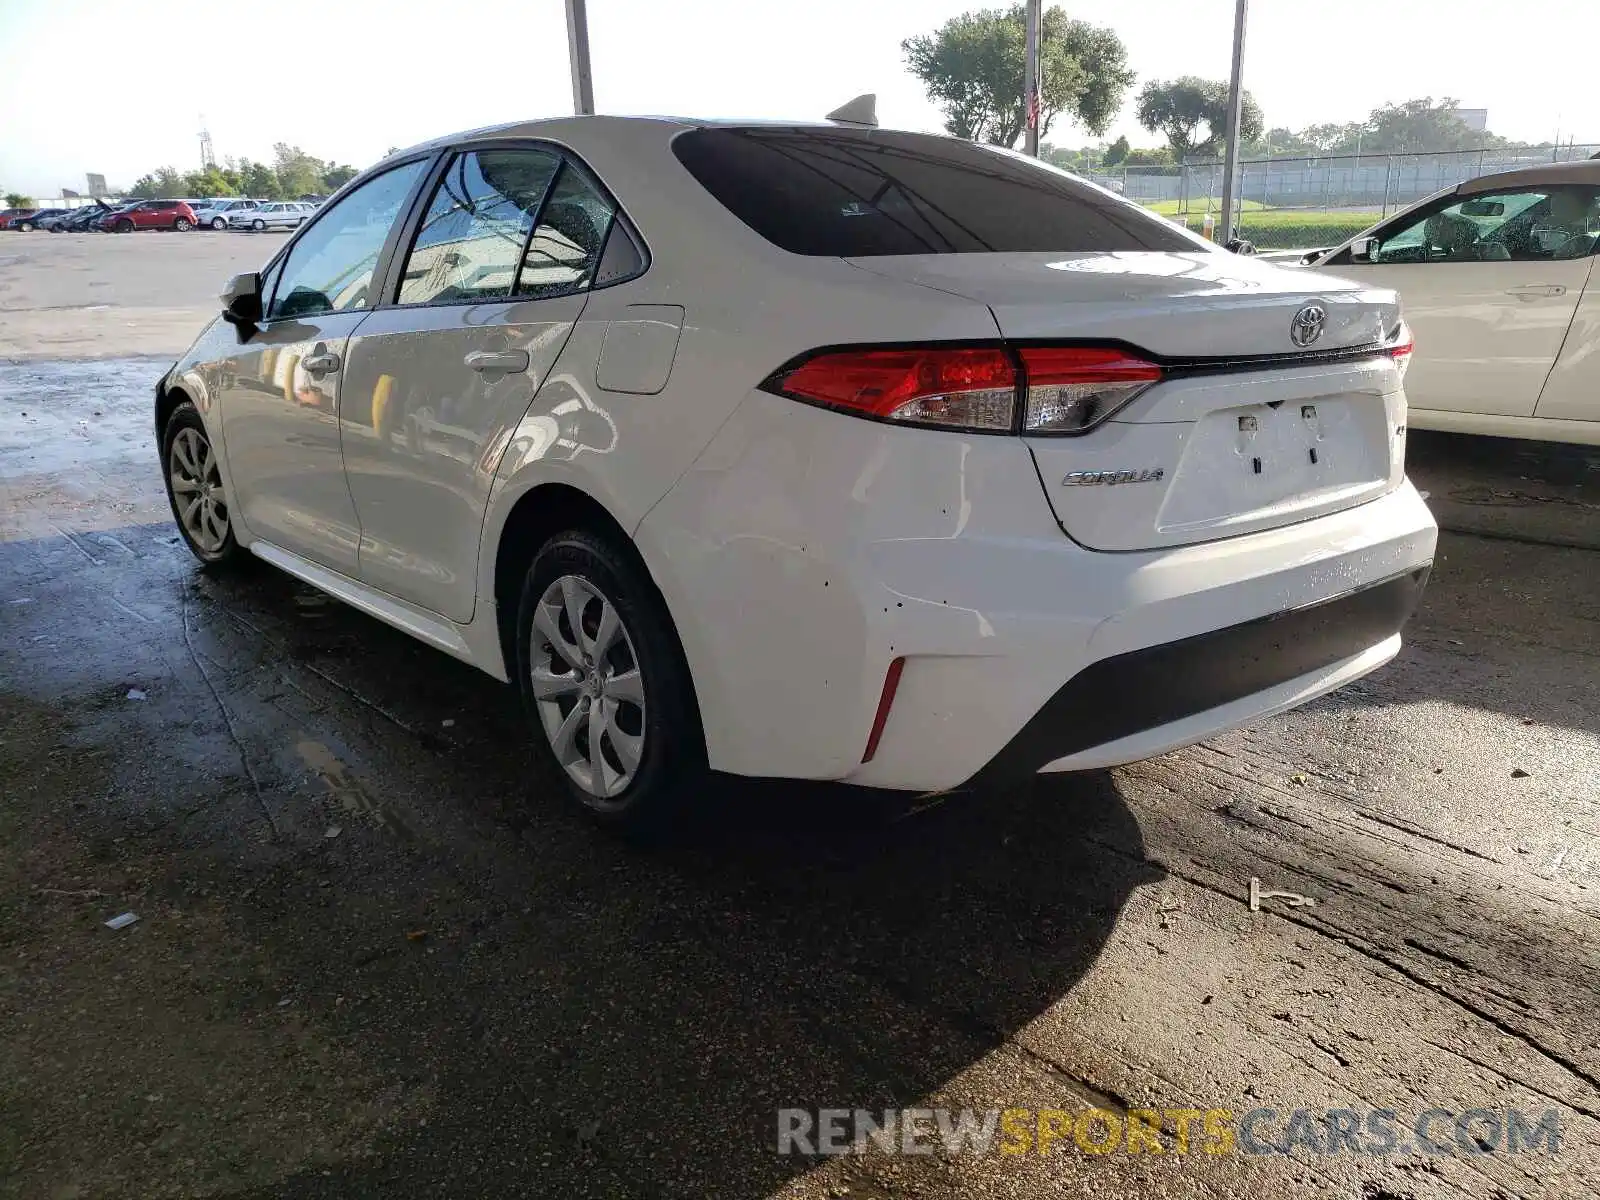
[1307, 324]
[1094, 478]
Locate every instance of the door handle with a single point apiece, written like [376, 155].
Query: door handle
[497, 362]
[1530, 291]
[321, 363]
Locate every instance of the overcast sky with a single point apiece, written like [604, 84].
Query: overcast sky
[88, 85]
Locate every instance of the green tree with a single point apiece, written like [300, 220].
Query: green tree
[163, 182]
[19, 200]
[258, 180]
[212, 181]
[335, 177]
[299, 174]
[1117, 152]
[1416, 126]
[1329, 137]
[972, 68]
[1159, 156]
[1177, 108]
[1281, 141]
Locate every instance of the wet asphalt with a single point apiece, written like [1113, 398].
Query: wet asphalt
[372, 959]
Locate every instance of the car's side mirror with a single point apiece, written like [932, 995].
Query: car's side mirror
[241, 300]
[1363, 248]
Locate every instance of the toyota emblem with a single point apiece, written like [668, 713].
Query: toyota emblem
[1307, 324]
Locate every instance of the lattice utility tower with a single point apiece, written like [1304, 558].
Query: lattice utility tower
[208, 157]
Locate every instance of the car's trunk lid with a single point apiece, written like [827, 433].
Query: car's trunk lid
[1248, 430]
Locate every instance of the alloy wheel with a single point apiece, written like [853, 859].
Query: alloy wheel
[588, 688]
[218, 223]
[197, 490]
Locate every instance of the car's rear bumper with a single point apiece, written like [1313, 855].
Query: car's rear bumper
[1147, 701]
[807, 552]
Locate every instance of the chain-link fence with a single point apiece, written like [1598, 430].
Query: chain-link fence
[1366, 183]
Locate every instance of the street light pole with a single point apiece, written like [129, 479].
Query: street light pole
[578, 53]
[1031, 85]
[1235, 120]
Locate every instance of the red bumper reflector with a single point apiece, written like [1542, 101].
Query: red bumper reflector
[891, 684]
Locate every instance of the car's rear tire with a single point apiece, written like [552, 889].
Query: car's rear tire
[218, 223]
[183, 225]
[258, 224]
[607, 691]
[194, 490]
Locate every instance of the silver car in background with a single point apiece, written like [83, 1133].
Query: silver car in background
[216, 213]
[279, 214]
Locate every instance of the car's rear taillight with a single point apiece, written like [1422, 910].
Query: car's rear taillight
[1033, 389]
[1074, 388]
[1400, 347]
[953, 387]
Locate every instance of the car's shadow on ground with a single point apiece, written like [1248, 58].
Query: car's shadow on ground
[572, 1016]
[1538, 492]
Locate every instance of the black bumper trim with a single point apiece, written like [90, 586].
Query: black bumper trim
[1143, 689]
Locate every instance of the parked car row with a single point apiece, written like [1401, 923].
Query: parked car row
[179, 215]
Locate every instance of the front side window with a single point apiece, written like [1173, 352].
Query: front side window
[329, 269]
[472, 236]
[861, 192]
[1527, 225]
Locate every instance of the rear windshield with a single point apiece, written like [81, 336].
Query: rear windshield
[866, 192]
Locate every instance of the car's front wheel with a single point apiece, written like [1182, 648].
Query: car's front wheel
[258, 224]
[194, 489]
[25, 226]
[606, 687]
[218, 223]
[183, 224]
[124, 227]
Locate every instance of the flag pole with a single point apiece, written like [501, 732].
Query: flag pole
[1030, 78]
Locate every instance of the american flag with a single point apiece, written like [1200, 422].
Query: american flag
[1033, 107]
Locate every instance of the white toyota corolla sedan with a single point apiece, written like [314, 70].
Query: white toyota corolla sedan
[1497, 276]
[814, 451]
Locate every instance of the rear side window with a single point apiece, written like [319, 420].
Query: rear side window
[472, 237]
[566, 244]
[862, 193]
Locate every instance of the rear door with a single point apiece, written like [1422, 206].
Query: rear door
[486, 294]
[1489, 285]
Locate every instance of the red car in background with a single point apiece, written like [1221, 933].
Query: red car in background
[150, 214]
[8, 215]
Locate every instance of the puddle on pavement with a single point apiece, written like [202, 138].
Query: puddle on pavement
[345, 790]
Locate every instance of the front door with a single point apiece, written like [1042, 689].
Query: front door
[280, 397]
[492, 285]
[1488, 285]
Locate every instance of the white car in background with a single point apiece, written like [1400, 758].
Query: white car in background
[812, 451]
[276, 214]
[1498, 281]
[215, 214]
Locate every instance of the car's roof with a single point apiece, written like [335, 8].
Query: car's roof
[555, 127]
[1585, 170]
